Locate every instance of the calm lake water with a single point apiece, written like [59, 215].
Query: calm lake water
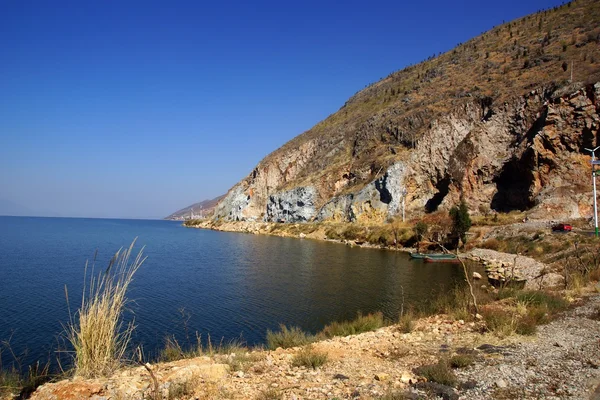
[230, 285]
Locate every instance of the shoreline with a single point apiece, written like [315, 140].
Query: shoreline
[562, 360]
[265, 228]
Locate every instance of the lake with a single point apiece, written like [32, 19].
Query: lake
[228, 285]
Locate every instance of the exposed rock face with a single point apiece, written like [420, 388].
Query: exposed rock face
[234, 205]
[296, 205]
[379, 200]
[528, 155]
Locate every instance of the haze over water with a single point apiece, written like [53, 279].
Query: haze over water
[230, 285]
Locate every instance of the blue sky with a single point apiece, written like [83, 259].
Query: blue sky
[137, 109]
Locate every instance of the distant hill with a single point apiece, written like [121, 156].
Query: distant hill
[204, 207]
[500, 121]
[11, 208]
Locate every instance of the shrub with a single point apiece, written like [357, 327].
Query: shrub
[461, 361]
[353, 232]
[407, 322]
[527, 325]
[492, 244]
[10, 383]
[172, 351]
[241, 360]
[310, 358]
[501, 322]
[269, 394]
[97, 334]
[553, 302]
[396, 395]
[440, 373]
[363, 323]
[287, 337]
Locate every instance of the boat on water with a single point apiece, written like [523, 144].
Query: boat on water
[433, 256]
[453, 260]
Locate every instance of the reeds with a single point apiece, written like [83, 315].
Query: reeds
[96, 331]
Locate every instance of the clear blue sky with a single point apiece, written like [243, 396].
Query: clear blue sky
[137, 109]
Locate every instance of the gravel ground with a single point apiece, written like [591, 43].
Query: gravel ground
[562, 362]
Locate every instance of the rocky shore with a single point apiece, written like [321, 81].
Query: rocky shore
[560, 361]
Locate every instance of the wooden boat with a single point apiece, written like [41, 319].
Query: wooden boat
[435, 256]
[451, 260]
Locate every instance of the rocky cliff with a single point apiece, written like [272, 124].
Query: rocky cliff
[501, 121]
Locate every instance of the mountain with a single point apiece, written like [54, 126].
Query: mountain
[8, 207]
[501, 121]
[202, 208]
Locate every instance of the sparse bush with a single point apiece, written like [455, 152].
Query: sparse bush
[178, 390]
[440, 373]
[10, 383]
[13, 382]
[400, 352]
[552, 302]
[501, 322]
[407, 322]
[310, 358]
[172, 351]
[241, 360]
[396, 395]
[97, 334]
[461, 361]
[363, 323]
[527, 325]
[287, 337]
[492, 244]
[269, 394]
[353, 232]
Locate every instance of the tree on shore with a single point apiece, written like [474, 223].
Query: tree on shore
[461, 223]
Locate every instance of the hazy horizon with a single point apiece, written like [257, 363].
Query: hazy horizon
[137, 109]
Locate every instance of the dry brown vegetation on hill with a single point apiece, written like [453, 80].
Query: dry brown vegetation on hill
[380, 122]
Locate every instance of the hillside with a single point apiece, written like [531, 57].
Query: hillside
[501, 120]
[200, 208]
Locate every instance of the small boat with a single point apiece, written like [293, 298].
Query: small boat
[436, 256]
[450, 260]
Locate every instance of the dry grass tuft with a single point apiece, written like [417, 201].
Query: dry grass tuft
[440, 373]
[310, 358]
[287, 337]
[363, 323]
[96, 331]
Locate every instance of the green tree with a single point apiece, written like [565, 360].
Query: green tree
[420, 230]
[461, 222]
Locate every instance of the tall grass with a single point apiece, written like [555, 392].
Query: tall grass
[287, 337]
[363, 323]
[96, 331]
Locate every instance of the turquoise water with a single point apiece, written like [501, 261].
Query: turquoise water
[230, 285]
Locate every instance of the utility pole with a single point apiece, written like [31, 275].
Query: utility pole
[594, 163]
